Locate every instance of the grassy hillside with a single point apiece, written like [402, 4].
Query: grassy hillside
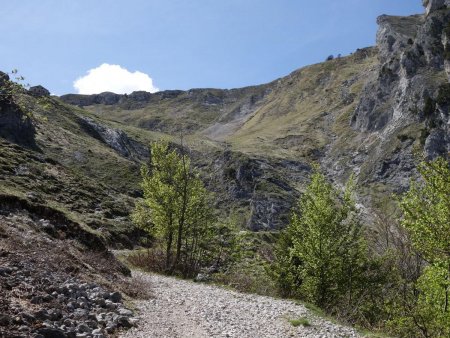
[254, 145]
[273, 131]
[287, 118]
[69, 170]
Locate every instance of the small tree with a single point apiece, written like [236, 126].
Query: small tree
[426, 209]
[325, 246]
[175, 209]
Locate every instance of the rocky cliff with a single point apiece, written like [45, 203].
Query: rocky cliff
[411, 83]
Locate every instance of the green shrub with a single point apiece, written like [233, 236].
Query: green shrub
[322, 252]
[300, 321]
[426, 216]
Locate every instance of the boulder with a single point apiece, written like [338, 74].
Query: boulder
[4, 320]
[140, 96]
[16, 126]
[51, 333]
[115, 297]
[3, 78]
[436, 144]
[115, 138]
[38, 91]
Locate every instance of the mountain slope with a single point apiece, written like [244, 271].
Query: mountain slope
[371, 114]
[69, 166]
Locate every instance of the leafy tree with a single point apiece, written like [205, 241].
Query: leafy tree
[426, 209]
[285, 268]
[175, 209]
[325, 248]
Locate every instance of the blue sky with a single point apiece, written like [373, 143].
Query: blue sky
[183, 44]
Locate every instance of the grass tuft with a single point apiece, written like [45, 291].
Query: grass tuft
[300, 321]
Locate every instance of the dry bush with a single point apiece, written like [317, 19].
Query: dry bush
[137, 287]
[151, 259]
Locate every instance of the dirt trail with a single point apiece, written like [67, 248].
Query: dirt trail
[186, 309]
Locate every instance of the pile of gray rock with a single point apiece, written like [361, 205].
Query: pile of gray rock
[52, 288]
[63, 309]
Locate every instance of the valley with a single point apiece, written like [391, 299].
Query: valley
[70, 177]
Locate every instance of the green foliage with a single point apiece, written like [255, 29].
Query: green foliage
[175, 209]
[228, 243]
[426, 209]
[321, 254]
[433, 304]
[300, 321]
[244, 266]
[284, 271]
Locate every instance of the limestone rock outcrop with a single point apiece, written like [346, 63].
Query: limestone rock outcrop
[38, 91]
[414, 56]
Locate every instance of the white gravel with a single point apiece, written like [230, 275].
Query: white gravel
[186, 309]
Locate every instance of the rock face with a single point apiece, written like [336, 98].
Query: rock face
[116, 139]
[3, 78]
[437, 143]
[38, 91]
[413, 54]
[88, 100]
[134, 100]
[15, 125]
[434, 5]
[263, 187]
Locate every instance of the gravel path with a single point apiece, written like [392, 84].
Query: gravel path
[186, 309]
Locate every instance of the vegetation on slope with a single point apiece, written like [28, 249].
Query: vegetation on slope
[321, 258]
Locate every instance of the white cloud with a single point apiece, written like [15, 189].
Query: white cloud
[113, 78]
